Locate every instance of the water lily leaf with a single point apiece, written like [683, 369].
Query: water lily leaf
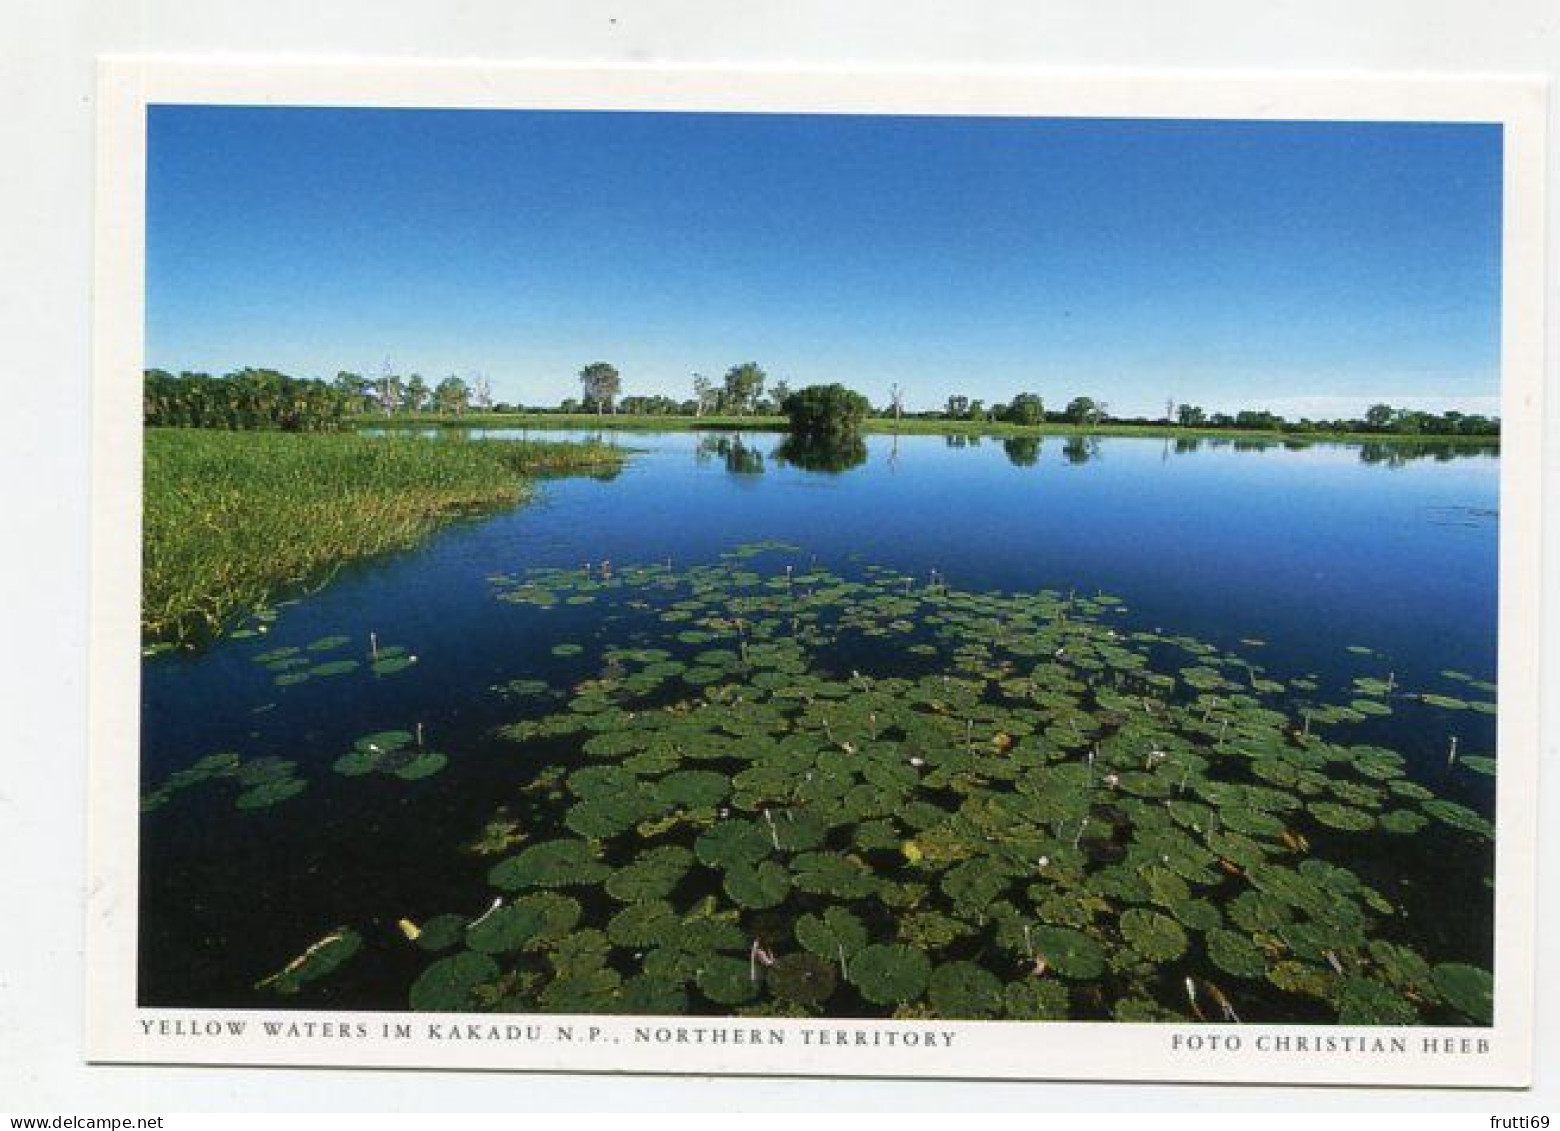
[1036, 999]
[1458, 817]
[389, 665]
[652, 876]
[964, 990]
[425, 764]
[441, 932]
[448, 985]
[528, 921]
[321, 958]
[1467, 989]
[1072, 954]
[834, 933]
[270, 793]
[727, 981]
[1156, 937]
[803, 978]
[355, 763]
[329, 643]
[733, 841]
[1341, 816]
[1235, 954]
[830, 873]
[890, 973]
[694, 789]
[1365, 1001]
[580, 952]
[1403, 821]
[589, 991]
[645, 994]
[551, 864]
[335, 667]
[648, 922]
[757, 885]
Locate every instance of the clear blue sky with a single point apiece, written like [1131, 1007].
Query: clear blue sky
[1311, 268]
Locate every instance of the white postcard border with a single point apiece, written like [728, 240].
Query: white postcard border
[118, 1030]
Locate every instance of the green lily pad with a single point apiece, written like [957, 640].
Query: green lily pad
[448, 985]
[1467, 989]
[551, 864]
[270, 793]
[320, 959]
[890, 974]
[1072, 954]
[1036, 999]
[1156, 937]
[528, 921]
[760, 885]
[803, 978]
[964, 990]
[1235, 954]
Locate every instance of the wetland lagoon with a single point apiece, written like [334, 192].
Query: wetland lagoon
[926, 726]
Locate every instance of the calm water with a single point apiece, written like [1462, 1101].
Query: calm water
[1307, 551]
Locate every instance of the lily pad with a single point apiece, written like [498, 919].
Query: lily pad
[890, 974]
[448, 985]
[1467, 989]
[964, 990]
[551, 864]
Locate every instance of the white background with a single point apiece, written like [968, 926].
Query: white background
[47, 48]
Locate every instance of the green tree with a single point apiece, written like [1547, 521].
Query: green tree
[601, 384]
[417, 393]
[1084, 410]
[1027, 408]
[743, 385]
[825, 410]
[1379, 416]
[1191, 416]
[451, 395]
[958, 407]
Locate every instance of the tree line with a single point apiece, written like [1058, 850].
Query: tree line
[266, 398]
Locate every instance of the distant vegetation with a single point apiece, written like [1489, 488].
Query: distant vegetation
[234, 520]
[745, 396]
[825, 411]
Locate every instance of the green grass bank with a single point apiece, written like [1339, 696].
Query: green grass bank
[233, 520]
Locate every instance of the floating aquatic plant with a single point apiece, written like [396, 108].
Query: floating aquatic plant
[1032, 809]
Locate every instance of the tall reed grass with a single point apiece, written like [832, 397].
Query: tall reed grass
[232, 520]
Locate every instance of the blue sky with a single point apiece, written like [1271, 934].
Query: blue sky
[1312, 268]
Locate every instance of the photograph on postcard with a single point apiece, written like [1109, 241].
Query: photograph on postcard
[803, 568]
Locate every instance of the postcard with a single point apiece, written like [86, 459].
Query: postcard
[904, 574]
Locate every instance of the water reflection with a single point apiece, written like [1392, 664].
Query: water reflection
[1022, 451]
[739, 456]
[1081, 449]
[833, 454]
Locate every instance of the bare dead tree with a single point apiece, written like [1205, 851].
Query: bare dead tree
[481, 391]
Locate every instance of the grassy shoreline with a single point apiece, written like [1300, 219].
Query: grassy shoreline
[233, 520]
[911, 426]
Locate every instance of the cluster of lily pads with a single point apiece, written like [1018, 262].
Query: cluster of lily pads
[398, 752]
[785, 791]
[260, 782]
[293, 664]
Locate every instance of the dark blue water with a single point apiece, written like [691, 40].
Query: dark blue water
[1304, 550]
